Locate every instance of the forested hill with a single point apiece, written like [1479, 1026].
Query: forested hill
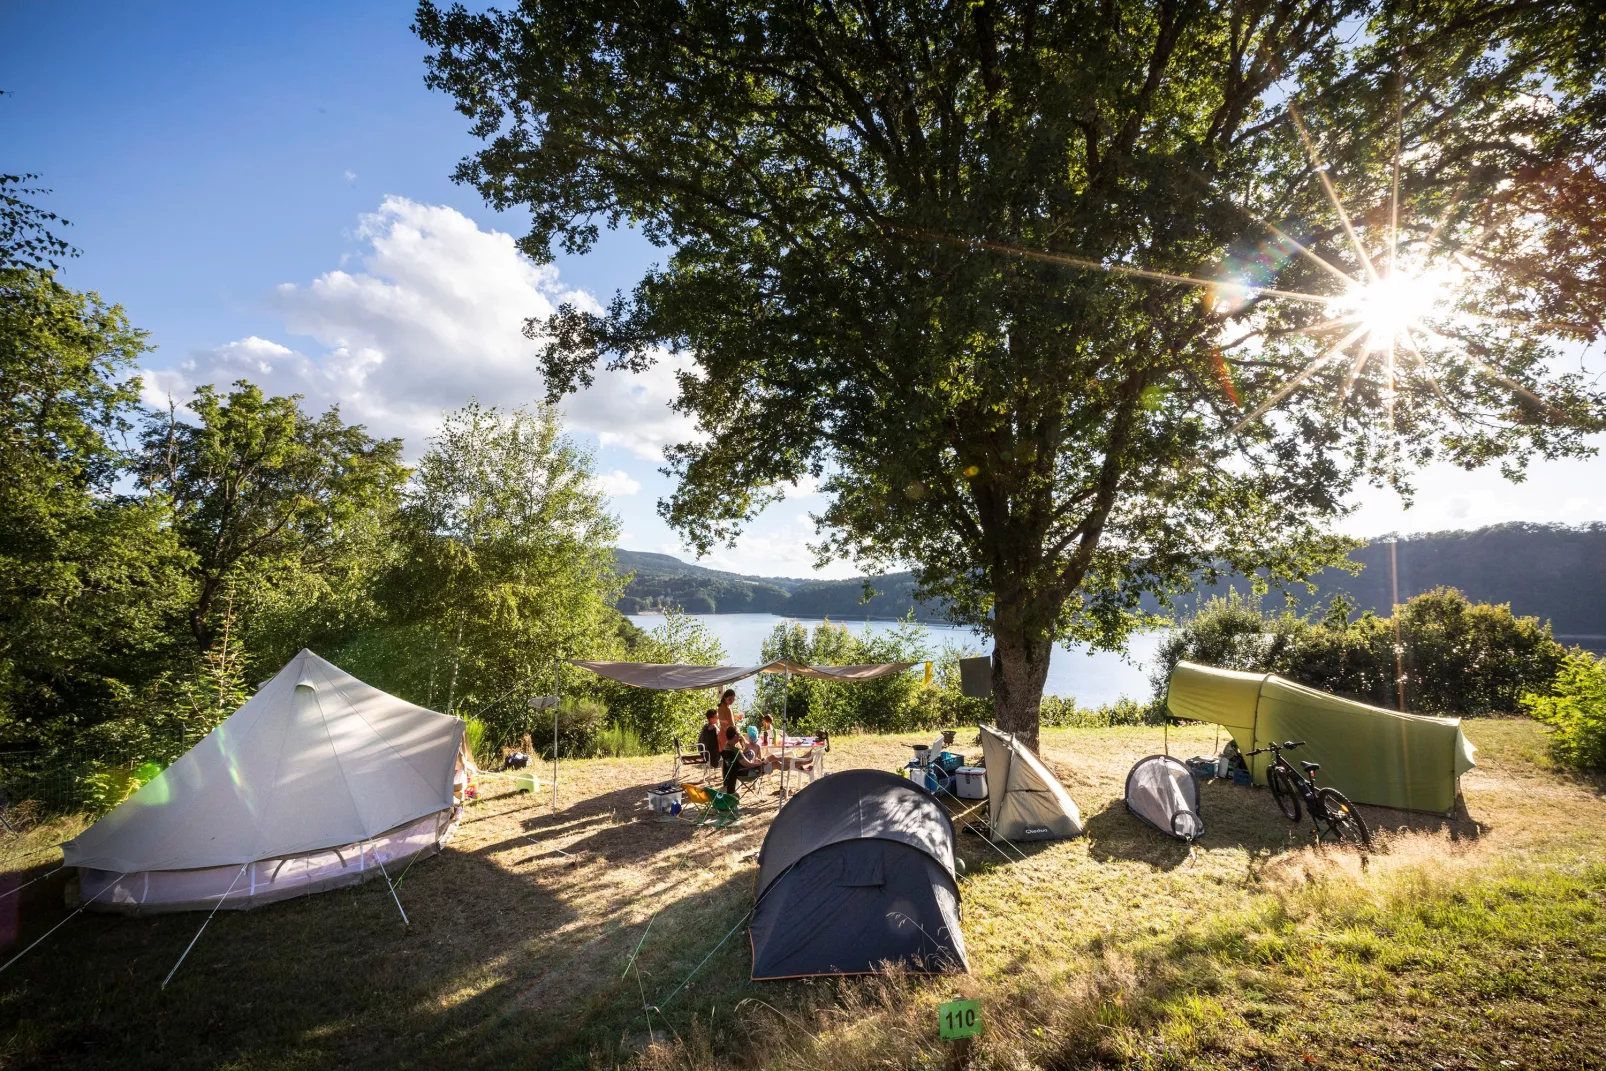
[1552, 572]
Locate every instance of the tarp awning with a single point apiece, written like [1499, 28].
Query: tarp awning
[668, 677]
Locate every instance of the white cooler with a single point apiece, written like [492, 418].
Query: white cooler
[664, 799]
[970, 783]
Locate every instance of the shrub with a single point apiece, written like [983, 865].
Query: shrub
[474, 738]
[617, 742]
[889, 704]
[580, 721]
[1457, 657]
[1575, 709]
[1063, 713]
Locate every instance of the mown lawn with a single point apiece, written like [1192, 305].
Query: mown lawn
[1475, 941]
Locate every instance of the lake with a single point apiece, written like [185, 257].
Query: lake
[1092, 678]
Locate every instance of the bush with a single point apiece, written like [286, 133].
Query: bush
[890, 704]
[580, 722]
[474, 738]
[1575, 709]
[617, 742]
[1457, 657]
[1063, 713]
[658, 717]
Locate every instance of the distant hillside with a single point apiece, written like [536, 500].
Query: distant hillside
[1553, 572]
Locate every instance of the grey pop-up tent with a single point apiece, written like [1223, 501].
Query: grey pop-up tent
[855, 873]
[1024, 800]
[1163, 793]
[317, 781]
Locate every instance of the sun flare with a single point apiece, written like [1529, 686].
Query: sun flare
[1388, 309]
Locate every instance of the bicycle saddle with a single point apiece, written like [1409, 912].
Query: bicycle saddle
[1310, 767]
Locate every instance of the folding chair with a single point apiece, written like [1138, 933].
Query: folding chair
[747, 780]
[684, 758]
[711, 804]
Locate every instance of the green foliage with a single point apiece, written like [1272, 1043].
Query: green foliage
[26, 238]
[502, 565]
[659, 717]
[581, 721]
[882, 705]
[882, 227]
[259, 488]
[91, 581]
[1065, 714]
[618, 742]
[1458, 658]
[474, 740]
[1574, 707]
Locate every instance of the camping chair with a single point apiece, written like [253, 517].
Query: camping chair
[710, 804]
[747, 781]
[684, 758]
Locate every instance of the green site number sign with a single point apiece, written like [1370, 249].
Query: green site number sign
[959, 1019]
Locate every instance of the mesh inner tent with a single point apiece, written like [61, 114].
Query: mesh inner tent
[1163, 793]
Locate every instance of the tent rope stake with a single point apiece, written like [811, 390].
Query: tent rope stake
[204, 925]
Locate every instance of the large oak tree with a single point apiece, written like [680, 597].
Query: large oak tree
[890, 227]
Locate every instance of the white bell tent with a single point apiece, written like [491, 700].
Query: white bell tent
[317, 781]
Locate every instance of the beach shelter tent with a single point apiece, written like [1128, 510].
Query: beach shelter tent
[856, 872]
[1371, 755]
[1024, 800]
[1163, 793]
[317, 781]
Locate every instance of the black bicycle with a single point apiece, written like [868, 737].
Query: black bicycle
[1328, 806]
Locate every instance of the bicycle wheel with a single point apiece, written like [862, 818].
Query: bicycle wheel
[1283, 789]
[1343, 818]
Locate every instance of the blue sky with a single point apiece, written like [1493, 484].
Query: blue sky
[269, 195]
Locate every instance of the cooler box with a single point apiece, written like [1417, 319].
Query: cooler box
[526, 781]
[970, 783]
[665, 799]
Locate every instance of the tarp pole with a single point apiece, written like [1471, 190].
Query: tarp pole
[785, 695]
[556, 701]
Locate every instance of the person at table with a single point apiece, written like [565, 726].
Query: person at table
[737, 758]
[708, 740]
[766, 734]
[727, 711]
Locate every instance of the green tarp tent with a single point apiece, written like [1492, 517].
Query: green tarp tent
[1371, 755]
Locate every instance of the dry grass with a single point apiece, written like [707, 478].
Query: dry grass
[1115, 949]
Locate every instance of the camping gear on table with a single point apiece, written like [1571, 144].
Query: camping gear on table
[315, 782]
[857, 872]
[1370, 754]
[1163, 793]
[1025, 800]
[970, 782]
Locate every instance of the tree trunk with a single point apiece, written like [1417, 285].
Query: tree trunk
[1020, 669]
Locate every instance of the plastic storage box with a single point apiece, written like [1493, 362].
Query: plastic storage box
[665, 799]
[970, 783]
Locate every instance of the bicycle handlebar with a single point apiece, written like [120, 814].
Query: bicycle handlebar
[1286, 745]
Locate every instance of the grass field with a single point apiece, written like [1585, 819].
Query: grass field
[1473, 941]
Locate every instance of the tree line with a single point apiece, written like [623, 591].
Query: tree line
[156, 565]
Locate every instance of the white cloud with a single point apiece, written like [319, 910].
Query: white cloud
[618, 483]
[434, 317]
